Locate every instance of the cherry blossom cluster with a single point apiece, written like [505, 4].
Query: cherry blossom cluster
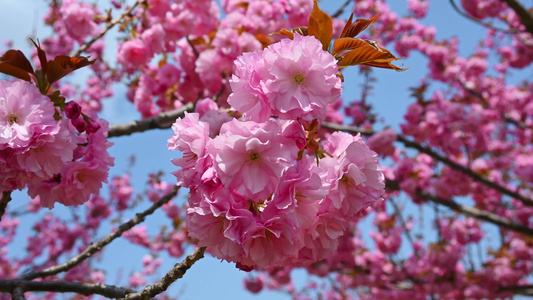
[46, 153]
[261, 195]
[481, 120]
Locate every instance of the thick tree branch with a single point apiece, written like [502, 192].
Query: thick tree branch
[467, 171]
[18, 294]
[175, 273]
[17, 287]
[107, 28]
[525, 17]
[468, 210]
[95, 247]
[161, 121]
[6, 197]
[526, 290]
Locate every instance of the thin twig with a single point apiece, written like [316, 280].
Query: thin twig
[95, 247]
[6, 197]
[404, 225]
[340, 11]
[351, 129]
[107, 28]
[459, 11]
[161, 121]
[196, 53]
[491, 184]
[175, 273]
[478, 95]
[17, 287]
[469, 172]
[467, 210]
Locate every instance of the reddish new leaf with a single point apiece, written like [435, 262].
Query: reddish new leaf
[14, 63]
[345, 44]
[265, 40]
[63, 65]
[353, 29]
[370, 56]
[302, 30]
[321, 26]
[42, 56]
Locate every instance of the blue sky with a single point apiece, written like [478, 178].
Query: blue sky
[210, 278]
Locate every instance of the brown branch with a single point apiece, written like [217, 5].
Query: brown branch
[467, 171]
[468, 210]
[478, 95]
[341, 9]
[95, 247]
[175, 273]
[18, 294]
[462, 13]
[351, 129]
[403, 224]
[17, 287]
[526, 290]
[525, 17]
[478, 214]
[161, 121]
[107, 28]
[6, 197]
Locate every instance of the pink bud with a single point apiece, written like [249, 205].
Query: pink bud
[80, 124]
[92, 126]
[72, 110]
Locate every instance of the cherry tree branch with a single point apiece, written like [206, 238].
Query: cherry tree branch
[462, 13]
[478, 95]
[525, 17]
[17, 287]
[403, 224]
[18, 293]
[468, 210]
[107, 28]
[6, 197]
[526, 290]
[174, 274]
[478, 213]
[467, 171]
[95, 247]
[340, 11]
[161, 121]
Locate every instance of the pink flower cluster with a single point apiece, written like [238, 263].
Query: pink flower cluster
[258, 196]
[291, 79]
[45, 154]
[254, 203]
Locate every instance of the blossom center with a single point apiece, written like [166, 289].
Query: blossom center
[12, 118]
[299, 78]
[348, 182]
[190, 156]
[253, 156]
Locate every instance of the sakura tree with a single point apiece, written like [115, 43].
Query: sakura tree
[278, 172]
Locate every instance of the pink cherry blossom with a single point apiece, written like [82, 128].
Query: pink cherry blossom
[292, 78]
[250, 157]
